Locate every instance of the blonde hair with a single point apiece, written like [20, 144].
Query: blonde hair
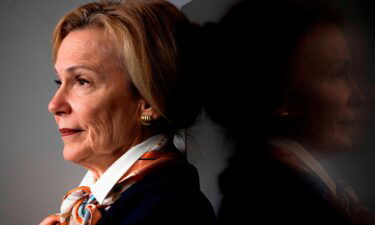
[146, 34]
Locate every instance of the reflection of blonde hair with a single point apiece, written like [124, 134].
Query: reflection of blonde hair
[145, 34]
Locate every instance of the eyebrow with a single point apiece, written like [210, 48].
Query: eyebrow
[345, 61]
[73, 68]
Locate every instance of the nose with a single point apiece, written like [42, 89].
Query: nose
[59, 104]
[356, 97]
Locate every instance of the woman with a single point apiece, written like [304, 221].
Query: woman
[299, 102]
[122, 95]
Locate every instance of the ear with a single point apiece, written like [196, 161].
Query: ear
[146, 109]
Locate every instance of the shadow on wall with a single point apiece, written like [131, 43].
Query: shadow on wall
[203, 11]
[286, 79]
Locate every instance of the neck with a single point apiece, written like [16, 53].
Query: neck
[98, 164]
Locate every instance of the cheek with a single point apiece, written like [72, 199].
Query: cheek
[328, 105]
[109, 124]
[328, 100]
[125, 123]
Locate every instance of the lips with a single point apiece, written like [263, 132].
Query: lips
[68, 131]
[349, 119]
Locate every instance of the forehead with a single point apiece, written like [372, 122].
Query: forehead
[324, 42]
[85, 46]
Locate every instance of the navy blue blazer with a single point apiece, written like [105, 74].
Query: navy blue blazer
[170, 195]
[258, 187]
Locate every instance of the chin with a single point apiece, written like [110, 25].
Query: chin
[345, 145]
[338, 146]
[73, 154]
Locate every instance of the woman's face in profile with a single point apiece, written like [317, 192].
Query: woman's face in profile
[94, 110]
[330, 96]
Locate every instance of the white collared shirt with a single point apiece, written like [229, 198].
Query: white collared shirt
[302, 154]
[101, 188]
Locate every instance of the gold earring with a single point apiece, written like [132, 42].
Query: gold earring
[285, 114]
[146, 120]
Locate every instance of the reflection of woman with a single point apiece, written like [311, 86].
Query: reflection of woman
[121, 97]
[300, 103]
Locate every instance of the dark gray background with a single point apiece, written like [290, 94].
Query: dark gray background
[34, 176]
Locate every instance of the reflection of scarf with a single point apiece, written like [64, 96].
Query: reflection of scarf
[341, 194]
[348, 201]
[79, 205]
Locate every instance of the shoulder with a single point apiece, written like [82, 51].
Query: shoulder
[170, 195]
[275, 192]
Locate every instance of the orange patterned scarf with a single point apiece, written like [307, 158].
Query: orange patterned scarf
[80, 207]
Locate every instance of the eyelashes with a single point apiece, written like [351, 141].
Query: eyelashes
[58, 82]
[78, 80]
[81, 81]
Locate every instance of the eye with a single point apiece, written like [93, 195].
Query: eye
[81, 81]
[344, 73]
[58, 82]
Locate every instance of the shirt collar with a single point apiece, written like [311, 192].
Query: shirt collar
[101, 188]
[301, 153]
